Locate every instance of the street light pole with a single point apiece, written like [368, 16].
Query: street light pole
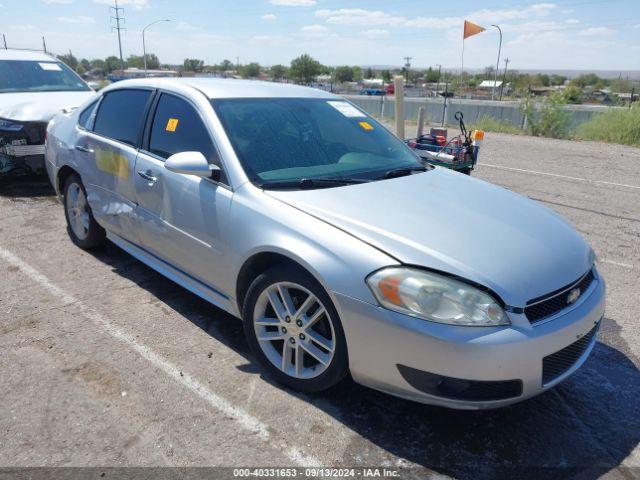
[495, 74]
[144, 47]
[438, 82]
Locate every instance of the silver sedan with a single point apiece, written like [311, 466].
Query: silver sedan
[339, 249]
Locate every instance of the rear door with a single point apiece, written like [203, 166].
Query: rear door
[183, 217]
[110, 145]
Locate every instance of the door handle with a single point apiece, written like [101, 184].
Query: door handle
[148, 176]
[84, 149]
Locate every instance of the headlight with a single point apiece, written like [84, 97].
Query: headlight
[9, 126]
[434, 297]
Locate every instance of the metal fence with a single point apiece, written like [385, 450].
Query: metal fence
[384, 107]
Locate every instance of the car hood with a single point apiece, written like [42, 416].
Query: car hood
[457, 224]
[38, 106]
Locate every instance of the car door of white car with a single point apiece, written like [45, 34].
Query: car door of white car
[106, 150]
[182, 217]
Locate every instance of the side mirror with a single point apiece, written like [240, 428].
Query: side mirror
[192, 163]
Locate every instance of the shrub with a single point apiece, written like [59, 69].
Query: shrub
[616, 125]
[547, 118]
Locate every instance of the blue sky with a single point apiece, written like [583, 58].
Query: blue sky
[569, 34]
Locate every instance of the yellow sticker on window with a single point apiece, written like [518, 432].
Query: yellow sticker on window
[172, 124]
[365, 125]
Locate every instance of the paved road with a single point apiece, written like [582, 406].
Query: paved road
[105, 362]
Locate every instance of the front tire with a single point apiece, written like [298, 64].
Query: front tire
[81, 225]
[294, 330]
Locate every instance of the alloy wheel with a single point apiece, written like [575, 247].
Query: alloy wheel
[77, 211]
[294, 330]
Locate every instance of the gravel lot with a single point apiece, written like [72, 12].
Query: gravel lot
[105, 363]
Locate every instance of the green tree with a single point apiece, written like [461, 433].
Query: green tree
[278, 72]
[369, 73]
[192, 65]
[343, 74]
[70, 60]
[305, 68]
[97, 63]
[357, 74]
[572, 94]
[386, 76]
[111, 63]
[251, 70]
[431, 76]
[226, 65]
[137, 61]
[557, 79]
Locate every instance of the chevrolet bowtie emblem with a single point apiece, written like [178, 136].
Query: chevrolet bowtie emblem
[573, 296]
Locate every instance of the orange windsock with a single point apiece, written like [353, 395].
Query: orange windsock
[471, 29]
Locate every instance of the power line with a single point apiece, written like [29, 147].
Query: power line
[118, 13]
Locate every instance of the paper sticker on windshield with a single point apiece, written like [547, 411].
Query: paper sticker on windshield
[52, 67]
[365, 125]
[172, 124]
[346, 109]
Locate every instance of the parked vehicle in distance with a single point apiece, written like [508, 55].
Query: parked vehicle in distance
[34, 86]
[372, 92]
[341, 251]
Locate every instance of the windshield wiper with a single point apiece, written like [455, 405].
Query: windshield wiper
[403, 171]
[318, 182]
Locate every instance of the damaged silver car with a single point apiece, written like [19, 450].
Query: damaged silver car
[34, 86]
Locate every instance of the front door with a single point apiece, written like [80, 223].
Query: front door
[183, 218]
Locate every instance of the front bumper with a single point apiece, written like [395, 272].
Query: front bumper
[383, 343]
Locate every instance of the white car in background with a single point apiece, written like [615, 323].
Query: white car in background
[34, 86]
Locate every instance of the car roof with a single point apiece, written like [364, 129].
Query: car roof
[30, 55]
[229, 88]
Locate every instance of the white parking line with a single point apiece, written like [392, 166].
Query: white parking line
[501, 167]
[244, 419]
[619, 264]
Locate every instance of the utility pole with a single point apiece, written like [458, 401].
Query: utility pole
[44, 45]
[118, 16]
[4, 40]
[407, 66]
[504, 77]
[438, 82]
[237, 65]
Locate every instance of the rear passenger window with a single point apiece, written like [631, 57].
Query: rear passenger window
[121, 115]
[177, 127]
[84, 120]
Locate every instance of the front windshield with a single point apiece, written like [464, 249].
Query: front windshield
[290, 139]
[44, 76]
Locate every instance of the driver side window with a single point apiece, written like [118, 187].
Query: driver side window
[176, 128]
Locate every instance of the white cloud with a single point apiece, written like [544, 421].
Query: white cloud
[293, 3]
[135, 4]
[375, 33]
[186, 26]
[270, 40]
[572, 21]
[23, 28]
[57, 2]
[314, 31]
[596, 31]
[79, 19]
[269, 17]
[359, 16]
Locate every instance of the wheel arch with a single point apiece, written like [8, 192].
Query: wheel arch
[258, 263]
[65, 172]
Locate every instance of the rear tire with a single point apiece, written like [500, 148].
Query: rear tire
[294, 330]
[81, 225]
